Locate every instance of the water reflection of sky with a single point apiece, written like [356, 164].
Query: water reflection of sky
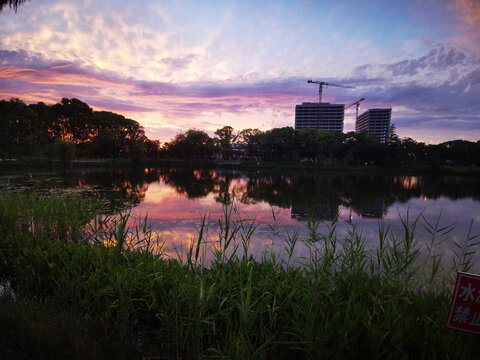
[178, 219]
[175, 200]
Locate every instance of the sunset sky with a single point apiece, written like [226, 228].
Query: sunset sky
[175, 65]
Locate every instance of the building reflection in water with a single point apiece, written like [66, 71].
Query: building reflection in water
[375, 209]
[175, 199]
[321, 212]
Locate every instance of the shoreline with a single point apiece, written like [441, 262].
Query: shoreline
[33, 163]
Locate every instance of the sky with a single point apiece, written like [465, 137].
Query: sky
[177, 65]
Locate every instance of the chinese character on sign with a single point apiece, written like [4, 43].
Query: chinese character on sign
[464, 311]
[475, 320]
[461, 314]
[467, 292]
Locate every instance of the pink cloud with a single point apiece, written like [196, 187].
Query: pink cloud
[172, 107]
[468, 17]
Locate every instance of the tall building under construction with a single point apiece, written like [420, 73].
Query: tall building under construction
[376, 122]
[330, 119]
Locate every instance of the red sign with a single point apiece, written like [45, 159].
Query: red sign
[464, 311]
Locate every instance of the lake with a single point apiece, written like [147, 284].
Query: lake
[280, 203]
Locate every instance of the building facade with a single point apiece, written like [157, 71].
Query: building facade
[332, 115]
[376, 122]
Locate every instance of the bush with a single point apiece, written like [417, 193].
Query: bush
[65, 150]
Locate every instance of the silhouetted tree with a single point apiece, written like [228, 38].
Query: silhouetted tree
[17, 131]
[225, 137]
[65, 150]
[279, 144]
[151, 148]
[253, 139]
[114, 135]
[359, 149]
[73, 120]
[34, 130]
[137, 153]
[42, 125]
[392, 134]
[11, 3]
[191, 144]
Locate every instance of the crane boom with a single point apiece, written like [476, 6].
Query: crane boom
[320, 90]
[324, 83]
[357, 103]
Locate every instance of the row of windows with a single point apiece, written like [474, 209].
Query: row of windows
[324, 121]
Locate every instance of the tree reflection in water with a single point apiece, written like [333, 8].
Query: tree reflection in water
[190, 193]
[368, 195]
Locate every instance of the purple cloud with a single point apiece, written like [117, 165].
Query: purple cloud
[447, 101]
[445, 97]
[438, 59]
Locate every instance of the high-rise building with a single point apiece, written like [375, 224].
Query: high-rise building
[376, 122]
[306, 116]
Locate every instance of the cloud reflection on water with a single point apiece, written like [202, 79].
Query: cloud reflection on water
[175, 200]
[178, 218]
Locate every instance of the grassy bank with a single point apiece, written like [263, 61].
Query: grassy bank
[78, 289]
[34, 163]
[320, 167]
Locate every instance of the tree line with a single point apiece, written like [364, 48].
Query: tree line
[71, 127]
[312, 145]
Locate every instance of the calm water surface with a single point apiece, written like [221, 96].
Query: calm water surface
[279, 203]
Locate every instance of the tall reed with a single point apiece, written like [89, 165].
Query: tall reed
[341, 301]
[59, 218]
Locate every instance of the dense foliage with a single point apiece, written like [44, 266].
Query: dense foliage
[42, 130]
[312, 145]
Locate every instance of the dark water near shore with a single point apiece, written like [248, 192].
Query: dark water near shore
[281, 203]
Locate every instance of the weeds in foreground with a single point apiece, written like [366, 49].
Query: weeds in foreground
[58, 218]
[341, 301]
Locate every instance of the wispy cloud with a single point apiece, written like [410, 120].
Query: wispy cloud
[440, 89]
[437, 59]
[392, 85]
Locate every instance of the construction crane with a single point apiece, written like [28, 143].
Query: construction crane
[320, 90]
[320, 87]
[357, 103]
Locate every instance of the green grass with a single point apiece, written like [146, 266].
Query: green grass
[83, 289]
[58, 218]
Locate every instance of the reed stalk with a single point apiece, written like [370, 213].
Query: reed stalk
[342, 301]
